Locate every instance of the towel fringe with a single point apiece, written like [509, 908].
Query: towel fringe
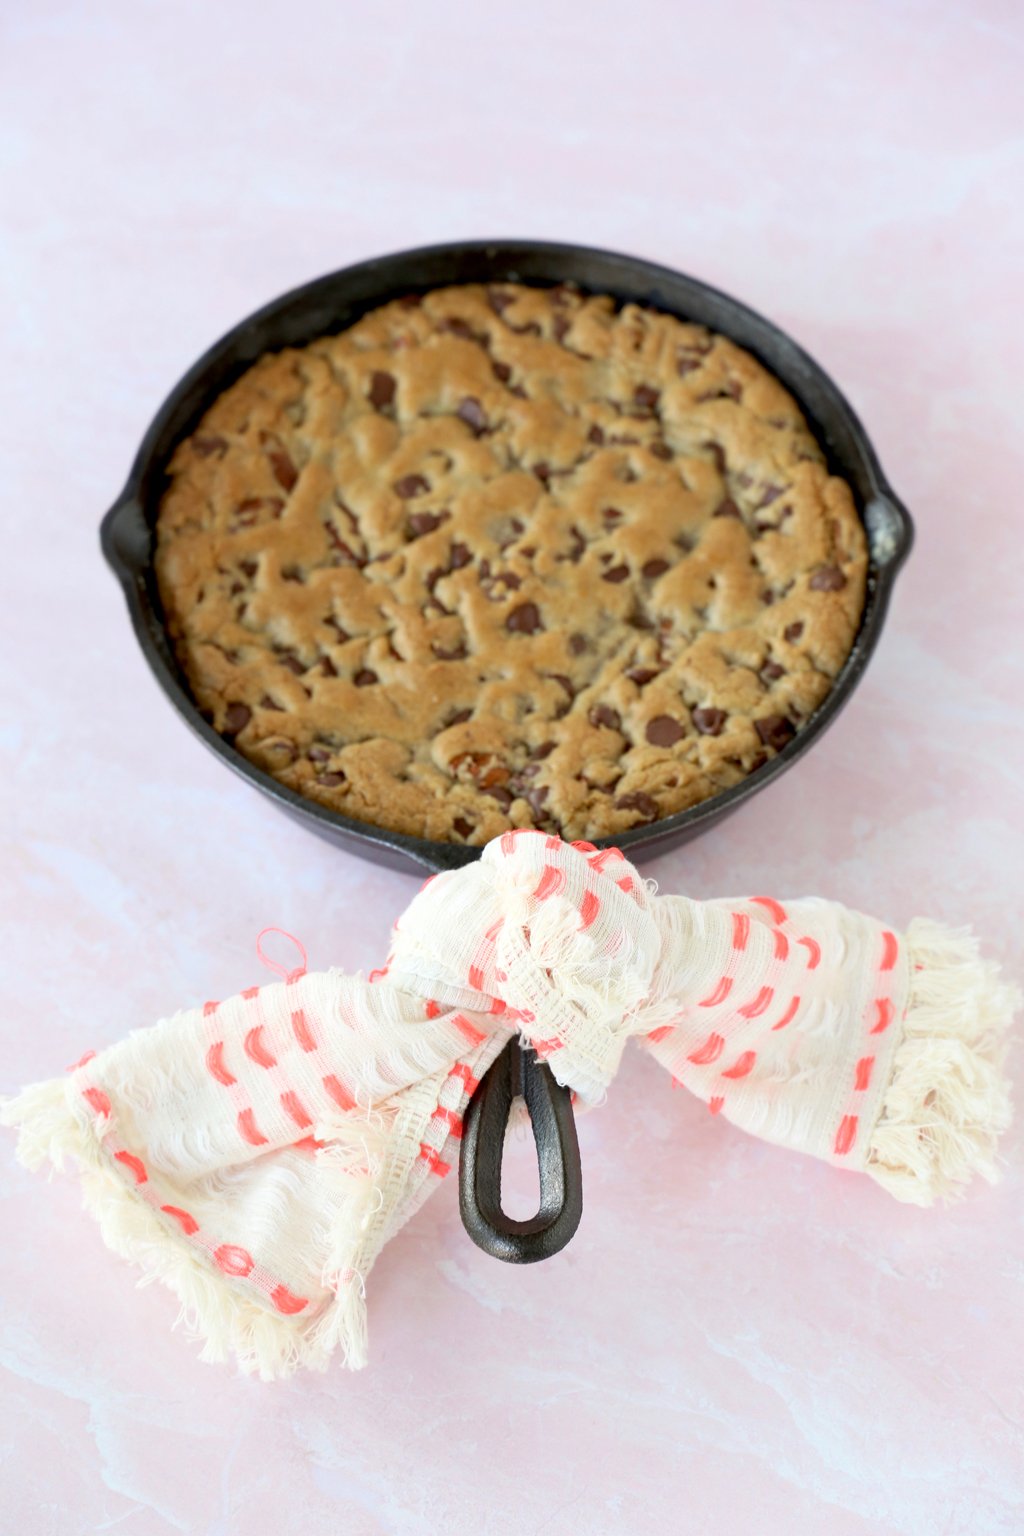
[948, 1100]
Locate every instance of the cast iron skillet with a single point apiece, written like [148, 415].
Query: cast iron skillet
[330, 304]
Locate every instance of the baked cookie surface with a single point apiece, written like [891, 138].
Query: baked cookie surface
[502, 557]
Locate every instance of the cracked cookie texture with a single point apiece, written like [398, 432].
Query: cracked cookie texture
[506, 557]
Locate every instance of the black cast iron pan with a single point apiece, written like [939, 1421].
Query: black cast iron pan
[330, 304]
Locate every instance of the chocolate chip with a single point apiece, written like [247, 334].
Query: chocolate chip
[501, 371]
[654, 568]
[268, 703]
[828, 579]
[717, 453]
[319, 754]
[459, 718]
[515, 528]
[382, 390]
[595, 435]
[642, 675]
[579, 544]
[343, 550]
[730, 390]
[612, 515]
[577, 644]
[502, 795]
[561, 326]
[771, 670]
[524, 620]
[792, 632]
[537, 797]
[603, 714]
[616, 574]
[364, 677]
[411, 485]
[206, 443]
[638, 801]
[458, 557]
[661, 450]
[425, 522]
[563, 682]
[237, 718]
[293, 664]
[455, 653]
[771, 493]
[459, 327]
[284, 470]
[664, 731]
[543, 472]
[685, 365]
[462, 826]
[544, 750]
[472, 413]
[775, 731]
[327, 667]
[709, 722]
[727, 508]
[248, 568]
[288, 573]
[330, 780]
[646, 397]
[499, 299]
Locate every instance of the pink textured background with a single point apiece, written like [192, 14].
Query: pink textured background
[737, 1341]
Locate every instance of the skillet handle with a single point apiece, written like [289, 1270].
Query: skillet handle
[517, 1073]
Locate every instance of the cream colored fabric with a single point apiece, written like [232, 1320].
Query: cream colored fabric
[257, 1154]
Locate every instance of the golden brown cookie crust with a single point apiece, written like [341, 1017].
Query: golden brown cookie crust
[509, 557]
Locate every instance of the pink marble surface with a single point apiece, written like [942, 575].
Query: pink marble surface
[737, 1340]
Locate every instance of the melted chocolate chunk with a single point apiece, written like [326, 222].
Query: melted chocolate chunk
[473, 414]
[828, 579]
[775, 731]
[425, 522]
[603, 714]
[664, 731]
[382, 390]
[236, 718]
[524, 620]
[638, 801]
[709, 722]
[411, 485]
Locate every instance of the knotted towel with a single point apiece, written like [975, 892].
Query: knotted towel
[257, 1154]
